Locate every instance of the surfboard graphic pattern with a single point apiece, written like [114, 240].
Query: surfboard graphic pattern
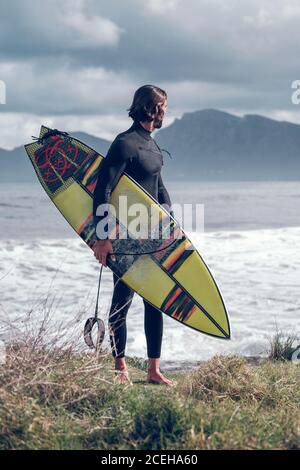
[176, 279]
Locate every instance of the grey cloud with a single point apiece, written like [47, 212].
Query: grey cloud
[208, 53]
[31, 28]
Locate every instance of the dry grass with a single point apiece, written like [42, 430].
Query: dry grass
[66, 400]
[54, 396]
[282, 345]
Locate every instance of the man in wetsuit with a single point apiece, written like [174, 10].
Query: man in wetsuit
[136, 153]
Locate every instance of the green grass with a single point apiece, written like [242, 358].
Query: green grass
[60, 399]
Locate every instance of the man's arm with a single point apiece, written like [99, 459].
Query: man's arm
[109, 174]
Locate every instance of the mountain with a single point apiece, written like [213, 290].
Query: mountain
[204, 145]
[100, 145]
[15, 166]
[216, 145]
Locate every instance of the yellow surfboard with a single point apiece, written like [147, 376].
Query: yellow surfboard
[173, 277]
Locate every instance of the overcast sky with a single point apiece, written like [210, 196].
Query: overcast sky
[75, 64]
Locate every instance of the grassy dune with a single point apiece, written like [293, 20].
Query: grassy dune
[60, 399]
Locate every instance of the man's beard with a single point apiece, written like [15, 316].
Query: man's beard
[158, 123]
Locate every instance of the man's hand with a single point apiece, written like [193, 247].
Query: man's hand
[101, 249]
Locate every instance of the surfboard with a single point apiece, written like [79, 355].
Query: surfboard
[173, 277]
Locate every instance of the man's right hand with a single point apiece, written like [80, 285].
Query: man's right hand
[101, 249]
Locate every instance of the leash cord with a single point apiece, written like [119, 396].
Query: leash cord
[99, 283]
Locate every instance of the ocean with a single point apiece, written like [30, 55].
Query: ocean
[250, 242]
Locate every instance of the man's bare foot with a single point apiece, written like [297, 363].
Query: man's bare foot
[122, 376]
[158, 378]
[121, 371]
[154, 374]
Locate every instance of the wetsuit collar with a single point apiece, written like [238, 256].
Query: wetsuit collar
[141, 130]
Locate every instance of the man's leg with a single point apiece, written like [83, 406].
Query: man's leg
[153, 324]
[121, 301]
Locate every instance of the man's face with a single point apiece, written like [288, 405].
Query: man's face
[159, 119]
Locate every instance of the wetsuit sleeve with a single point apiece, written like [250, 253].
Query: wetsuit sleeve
[110, 171]
[163, 195]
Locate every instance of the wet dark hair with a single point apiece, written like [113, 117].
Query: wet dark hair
[145, 105]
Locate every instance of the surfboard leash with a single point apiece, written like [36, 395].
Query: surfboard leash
[92, 321]
[51, 133]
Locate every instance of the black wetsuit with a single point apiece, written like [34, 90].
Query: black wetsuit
[135, 152]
